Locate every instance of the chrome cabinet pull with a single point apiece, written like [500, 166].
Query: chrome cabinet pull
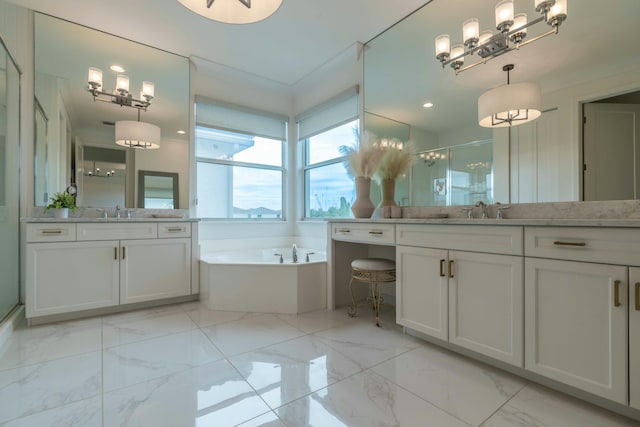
[451, 269]
[616, 293]
[51, 232]
[442, 268]
[637, 296]
[561, 243]
[376, 233]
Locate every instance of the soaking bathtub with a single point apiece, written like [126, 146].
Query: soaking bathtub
[255, 280]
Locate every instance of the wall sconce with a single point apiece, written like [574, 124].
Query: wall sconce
[512, 31]
[120, 95]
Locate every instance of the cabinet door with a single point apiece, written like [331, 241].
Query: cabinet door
[154, 269]
[576, 325]
[634, 337]
[486, 304]
[71, 276]
[421, 301]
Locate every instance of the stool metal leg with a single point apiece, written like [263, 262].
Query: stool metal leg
[375, 294]
[353, 310]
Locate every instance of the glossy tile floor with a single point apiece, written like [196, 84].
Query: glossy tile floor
[184, 365]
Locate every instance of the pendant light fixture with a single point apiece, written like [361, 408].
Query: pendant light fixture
[233, 11]
[510, 104]
[138, 134]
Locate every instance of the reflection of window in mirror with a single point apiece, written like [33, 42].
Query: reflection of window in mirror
[157, 190]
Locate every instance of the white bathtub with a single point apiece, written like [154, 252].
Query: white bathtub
[254, 280]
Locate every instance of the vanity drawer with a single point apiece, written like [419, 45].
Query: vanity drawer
[174, 229]
[473, 238]
[381, 234]
[115, 231]
[51, 232]
[601, 245]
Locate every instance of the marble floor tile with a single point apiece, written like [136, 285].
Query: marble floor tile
[84, 413]
[36, 344]
[467, 389]
[118, 331]
[366, 399]
[145, 313]
[203, 316]
[287, 371]
[250, 334]
[538, 406]
[367, 344]
[130, 364]
[27, 390]
[266, 420]
[209, 395]
[316, 321]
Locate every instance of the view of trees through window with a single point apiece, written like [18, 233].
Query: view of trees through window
[329, 189]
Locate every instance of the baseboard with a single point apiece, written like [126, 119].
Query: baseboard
[11, 323]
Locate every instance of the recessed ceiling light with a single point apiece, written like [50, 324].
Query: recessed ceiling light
[117, 69]
[181, 132]
[428, 104]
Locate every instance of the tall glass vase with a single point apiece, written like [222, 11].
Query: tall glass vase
[362, 207]
[388, 188]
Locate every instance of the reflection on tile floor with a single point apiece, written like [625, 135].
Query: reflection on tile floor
[185, 365]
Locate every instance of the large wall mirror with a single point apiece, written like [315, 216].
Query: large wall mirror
[592, 60]
[75, 140]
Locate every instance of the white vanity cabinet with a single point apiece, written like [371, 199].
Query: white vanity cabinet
[576, 311]
[473, 297]
[634, 337]
[73, 267]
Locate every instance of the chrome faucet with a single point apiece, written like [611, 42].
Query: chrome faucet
[117, 212]
[294, 253]
[485, 212]
[307, 257]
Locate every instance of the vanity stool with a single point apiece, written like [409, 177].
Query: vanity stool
[372, 271]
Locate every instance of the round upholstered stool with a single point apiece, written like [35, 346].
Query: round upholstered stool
[372, 271]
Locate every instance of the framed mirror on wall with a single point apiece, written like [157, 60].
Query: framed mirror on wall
[539, 161]
[81, 122]
[158, 190]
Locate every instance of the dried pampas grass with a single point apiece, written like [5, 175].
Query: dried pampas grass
[363, 159]
[396, 161]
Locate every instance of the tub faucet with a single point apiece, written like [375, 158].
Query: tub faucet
[281, 258]
[307, 257]
[294, 253]
[485, 213]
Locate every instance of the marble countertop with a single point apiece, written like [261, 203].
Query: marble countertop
[555, 222]
[106, 220]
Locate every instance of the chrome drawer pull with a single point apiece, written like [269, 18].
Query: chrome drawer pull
[175, 229]
[51, 232]
[560, 243]
[376, 233]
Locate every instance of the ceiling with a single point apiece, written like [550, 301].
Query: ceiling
[299, 38]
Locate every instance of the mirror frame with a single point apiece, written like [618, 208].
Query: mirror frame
[141, 187]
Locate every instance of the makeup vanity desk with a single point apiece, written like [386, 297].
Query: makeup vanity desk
[555, 301]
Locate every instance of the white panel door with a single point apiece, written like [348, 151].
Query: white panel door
[634, 337]
[611, 151]
[421, 300]
[71, 276]
[486, 304]
[154, 269]
[576, 325]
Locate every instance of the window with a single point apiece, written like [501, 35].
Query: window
[329, 189]
[239, 159]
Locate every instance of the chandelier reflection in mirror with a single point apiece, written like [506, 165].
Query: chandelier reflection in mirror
[512, 32]
[132, 134]
[431, 157]
[233, 11]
